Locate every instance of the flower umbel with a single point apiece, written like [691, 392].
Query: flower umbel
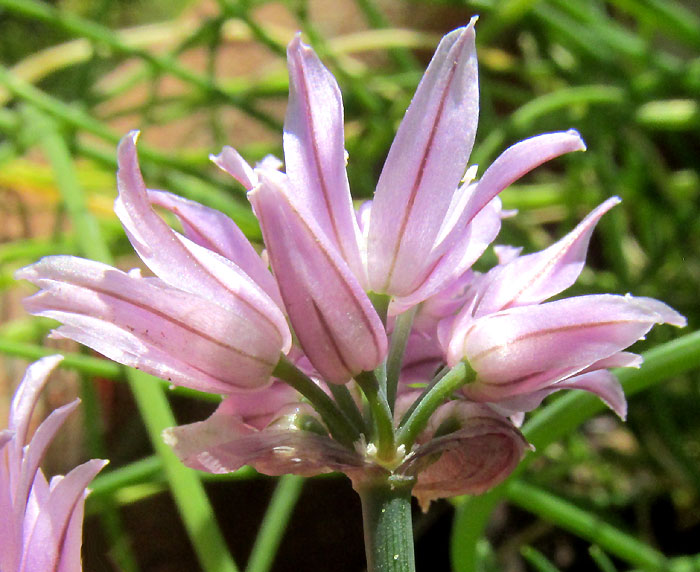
[42, 521]
[320, 356]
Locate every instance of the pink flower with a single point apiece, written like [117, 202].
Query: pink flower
[523, 350]
[425, 229]
[216, 319]
[42, 522]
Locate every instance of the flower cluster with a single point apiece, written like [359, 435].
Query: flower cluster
[42, 522]
[371, 347]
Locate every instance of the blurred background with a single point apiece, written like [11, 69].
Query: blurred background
[194, 75]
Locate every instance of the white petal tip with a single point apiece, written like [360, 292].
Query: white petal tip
[169, 437]
[297, 46]
[581, 145]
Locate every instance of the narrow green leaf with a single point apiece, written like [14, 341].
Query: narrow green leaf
[274, 523]
[585, 524]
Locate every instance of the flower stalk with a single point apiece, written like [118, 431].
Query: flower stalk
[388, 530]
[435, 395]
[397, 347]
[383, 424]
[338, 424]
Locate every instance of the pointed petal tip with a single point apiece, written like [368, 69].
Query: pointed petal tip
[580, 144]
[129, 140]
[28, 272]
[44, 366]
[463, 30]
[295, 44]
[230, 161]
[169, 437]
[664, 313]
[126, 150]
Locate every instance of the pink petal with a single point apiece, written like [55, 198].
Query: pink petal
[27, 395]
[336, 324]
[476, 457]
[21, 409]
[533, 278]
[217, 232]
[600, 382]
[603, 384]
[424, 166]
[454, 262]
[145, 323]
[70, 559]
[34, 452]
[258, 408]
[5, 437]
[422, 358]
[314, 151]
[518, 160]
[620, 359]
[525, 349]
[178, 261]
[230, 160]
[43, 543]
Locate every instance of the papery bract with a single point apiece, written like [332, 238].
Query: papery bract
[269, 435]
[480, 449]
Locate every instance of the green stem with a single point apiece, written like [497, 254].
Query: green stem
[381, 304]
[347, 405]
[190, 497]
[54, 146]
[399, 337]
[585, 525]
[386, 514]
[79, 119]
[274, 523]
[338, 424]
[434, 396]
[381, 415]
[87, 365]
